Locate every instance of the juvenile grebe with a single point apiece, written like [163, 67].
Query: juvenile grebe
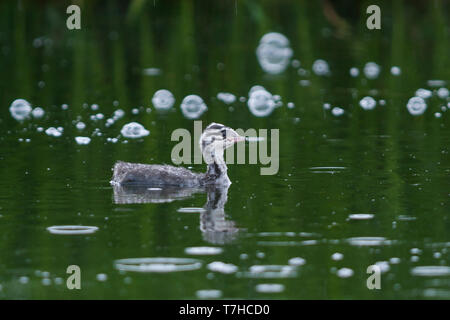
[213, 141]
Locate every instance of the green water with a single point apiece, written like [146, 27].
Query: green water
[383, 162]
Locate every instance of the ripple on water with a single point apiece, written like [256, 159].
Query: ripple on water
[191, 210]
[208, 294]
[68, 230]
[430, 271]
[331, 170]
[222, 267]
[269, 288]
[361, 216]
[269, 272]
[367, 241]
[159, 264]
[203, 250]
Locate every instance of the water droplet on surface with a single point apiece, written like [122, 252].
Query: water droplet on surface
[193, 106]
[274, 53]
[134, 130]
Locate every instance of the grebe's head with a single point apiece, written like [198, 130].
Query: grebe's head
[216, 138]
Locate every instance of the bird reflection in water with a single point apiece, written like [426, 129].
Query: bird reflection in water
[215, 228]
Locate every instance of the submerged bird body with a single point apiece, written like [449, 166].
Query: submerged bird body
[213, 141]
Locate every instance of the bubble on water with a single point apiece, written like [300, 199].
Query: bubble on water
[296, 261]
[46, 281]
[320, 67]
[415, 251]
[38, 112]
[193, 106]
[354, 72]
[396, 71]
[163, 99]
[295, 63]
[442, 93]
[83, 140]
[203, 250]
[371, 70]
[383, 265]
[226, 97]
[360, 216]
[327, 106]
[80, 125]
[416, 106]
[414, 258]
[337, 256]
[94, 107]
[52, 131]
[119, 113]
[394, 260]
[208, 294]
[290, 105]
[20, 109]
[261, 102]
[431, 271]
[269, 288]
[160, 264]
[101, 277]
[337, 112]
[222, 267]
[274, 52]
[345, 273]
[367, 103]
[423, 93]
[134, 130]
[135, 111]
[24, 279]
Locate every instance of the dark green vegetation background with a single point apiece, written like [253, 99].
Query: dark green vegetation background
[396, 164]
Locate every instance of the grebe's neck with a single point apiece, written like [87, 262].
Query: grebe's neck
[217, 169]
